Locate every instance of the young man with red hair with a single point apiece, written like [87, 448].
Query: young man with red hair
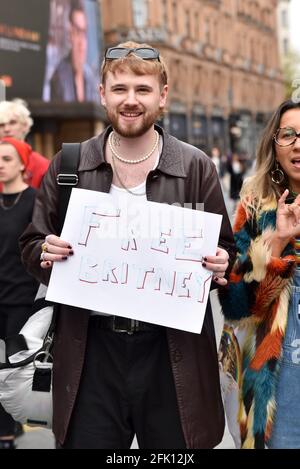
[111, 380]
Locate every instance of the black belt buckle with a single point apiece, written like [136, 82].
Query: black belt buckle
[130, 328]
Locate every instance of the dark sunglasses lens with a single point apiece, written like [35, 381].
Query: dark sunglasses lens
[116, 53]
[146, 53]
[142, 52]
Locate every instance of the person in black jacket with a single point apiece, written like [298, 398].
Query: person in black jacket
[114, 377]
[236, 169]
[17, 287]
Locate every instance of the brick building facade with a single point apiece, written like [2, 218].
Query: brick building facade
[283, 15]
[223, 60]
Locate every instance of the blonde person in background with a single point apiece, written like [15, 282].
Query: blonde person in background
[16, 122]
[263, 296]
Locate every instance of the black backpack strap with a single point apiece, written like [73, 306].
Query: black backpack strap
[67, 177]
[66, 180]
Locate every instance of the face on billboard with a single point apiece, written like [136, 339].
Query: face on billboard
[78, 35]
[72, 67]
[53, 54]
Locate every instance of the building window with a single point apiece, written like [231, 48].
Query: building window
[197, 80]
[187, 24]
[165, 13]
[252, 49]
[140, 13]
[216, 84]
[197, 26]
[176, 68]
[216, 33]
[284, 19]
[286, 46]
[175, 17]
[207, 30]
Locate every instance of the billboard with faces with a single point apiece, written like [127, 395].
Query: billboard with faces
[50, 49]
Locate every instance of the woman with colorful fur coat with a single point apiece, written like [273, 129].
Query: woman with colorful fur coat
[261, 304]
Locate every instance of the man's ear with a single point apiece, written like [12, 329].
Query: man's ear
[102, 95]
[163, 96]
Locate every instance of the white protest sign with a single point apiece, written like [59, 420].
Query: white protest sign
[141, 260]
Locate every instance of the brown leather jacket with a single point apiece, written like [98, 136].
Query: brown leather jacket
[184, 175]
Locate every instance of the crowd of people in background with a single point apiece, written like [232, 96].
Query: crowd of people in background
[232, 168]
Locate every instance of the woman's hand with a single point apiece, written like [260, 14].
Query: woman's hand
[218, 264]
[287, 223]
[54, 249]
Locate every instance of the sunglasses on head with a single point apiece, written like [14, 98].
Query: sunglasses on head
[145, 53]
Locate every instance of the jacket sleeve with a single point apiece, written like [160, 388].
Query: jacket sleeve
[44, 222]
[257, 278]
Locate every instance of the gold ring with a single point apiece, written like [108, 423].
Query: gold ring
[44, 247]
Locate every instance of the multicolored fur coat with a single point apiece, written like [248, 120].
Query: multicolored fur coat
[256, 301]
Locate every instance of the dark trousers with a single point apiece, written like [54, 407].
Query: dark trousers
[12, 319]
[126, 388]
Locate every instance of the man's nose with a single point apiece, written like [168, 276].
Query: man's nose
[131, 98]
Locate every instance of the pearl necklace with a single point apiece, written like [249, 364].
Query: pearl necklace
[139, 160]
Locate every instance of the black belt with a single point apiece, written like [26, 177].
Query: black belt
[120, 324]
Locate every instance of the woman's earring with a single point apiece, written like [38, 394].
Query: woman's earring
[277, 175]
